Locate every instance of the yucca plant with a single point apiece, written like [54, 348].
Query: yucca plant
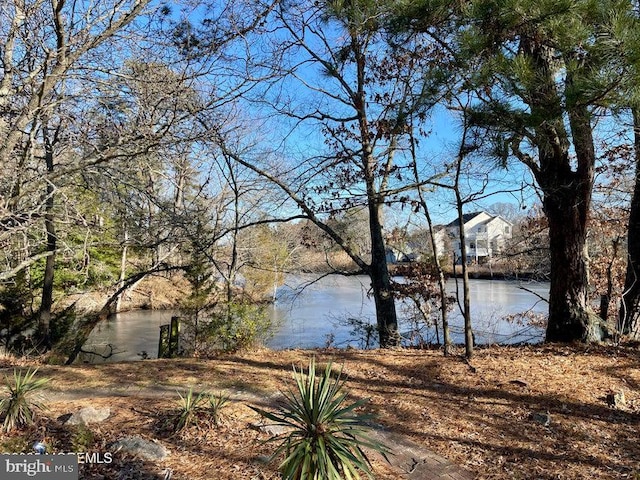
[324, 437]
[216, 404]
[19, 406]
[188, 409]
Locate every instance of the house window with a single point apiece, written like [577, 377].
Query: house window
[473, 245]
[507, 229]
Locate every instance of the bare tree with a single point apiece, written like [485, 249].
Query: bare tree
[466, 147]
[97, 105]
[46, 46]
[328, 56]
[629, 316]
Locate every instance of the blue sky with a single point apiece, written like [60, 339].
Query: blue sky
[296, 141]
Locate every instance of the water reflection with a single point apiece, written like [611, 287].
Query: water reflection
[321, 311]
[132, 335]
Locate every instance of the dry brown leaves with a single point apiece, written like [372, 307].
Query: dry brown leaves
[526, 412]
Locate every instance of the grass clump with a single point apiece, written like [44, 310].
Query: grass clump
[18, 408]
[193, 407]
[16, 444]
[324, 437]
[189, 404]
[216, 404]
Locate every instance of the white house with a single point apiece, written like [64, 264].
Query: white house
[485, 235]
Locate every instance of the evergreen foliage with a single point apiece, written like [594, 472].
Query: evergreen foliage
[18, 408]
[189, 405]
[324, 437]
[194, 407]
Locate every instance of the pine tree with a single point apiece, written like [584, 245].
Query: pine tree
[541, 71]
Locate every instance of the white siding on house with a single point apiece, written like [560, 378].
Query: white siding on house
[485, 235]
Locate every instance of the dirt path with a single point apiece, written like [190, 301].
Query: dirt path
[483, 415]
[410, 460]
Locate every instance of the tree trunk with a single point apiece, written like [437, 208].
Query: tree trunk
[630, 307]
[570, 317]
[605, 299]
[567, 199]
[466, 310]
[381, 283]
[446, 334]
[442, 285]
[567, 185]
[386, 317]
[46, 303]
[123, 263]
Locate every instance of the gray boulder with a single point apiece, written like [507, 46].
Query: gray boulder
[141, 448]
[88, 415]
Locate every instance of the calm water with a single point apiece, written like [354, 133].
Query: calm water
[320, 312]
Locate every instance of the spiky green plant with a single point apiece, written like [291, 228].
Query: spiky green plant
[324, 436]
[216, 404]
[19, 406]
[189, 404]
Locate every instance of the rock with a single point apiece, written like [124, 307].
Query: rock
[616, 399]
[89, 415]
[139, 447]
[273, 430]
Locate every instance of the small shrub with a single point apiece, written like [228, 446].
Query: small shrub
[229, 327]
[364, 330]
[187, 412]
[193, 407]
[82, 438]
[216, 404]
[325, 437]
[19, 407]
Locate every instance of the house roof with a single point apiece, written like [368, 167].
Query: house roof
[465, 218]
[469, 216]
[496, 217]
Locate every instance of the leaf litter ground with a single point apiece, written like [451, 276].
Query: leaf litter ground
[533, 412]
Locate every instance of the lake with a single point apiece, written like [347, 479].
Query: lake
[319, 315]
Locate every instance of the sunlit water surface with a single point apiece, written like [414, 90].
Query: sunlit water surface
[319, 315]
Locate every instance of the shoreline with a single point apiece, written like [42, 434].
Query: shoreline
[478, 273]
